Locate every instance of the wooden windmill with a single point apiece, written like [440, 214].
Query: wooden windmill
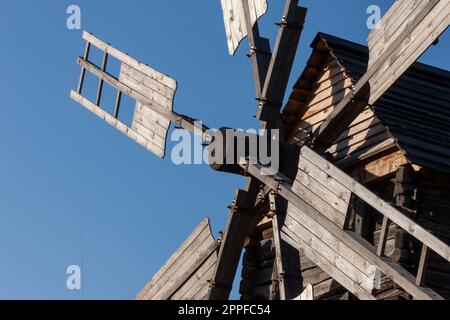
[307, 204]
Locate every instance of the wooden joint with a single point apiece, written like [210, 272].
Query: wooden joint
[255, 50]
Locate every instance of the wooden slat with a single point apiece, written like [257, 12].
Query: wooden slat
[138, 84]
[233, 15]
[332, 270]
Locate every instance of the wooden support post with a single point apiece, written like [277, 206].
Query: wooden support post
[383, 237]
[421, 272]
[100, 82]
[83, 70]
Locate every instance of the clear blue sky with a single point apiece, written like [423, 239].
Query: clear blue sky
[75, 191]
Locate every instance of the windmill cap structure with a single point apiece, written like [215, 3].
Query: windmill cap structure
[412, 115]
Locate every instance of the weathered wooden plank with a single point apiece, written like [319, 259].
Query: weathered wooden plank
[328, 182]
[312, 199]
[139, 138]
[134, 63]
[140, 87]
[328, 267]
[327, 188]
[233, 15]
[330, 246]
[151, 120]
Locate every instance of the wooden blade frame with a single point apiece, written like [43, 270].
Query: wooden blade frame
[404, 34]
[153, 92]
[187, 273]
[271, 74]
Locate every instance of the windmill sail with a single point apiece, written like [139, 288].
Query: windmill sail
[235, 26]
[187, 273]
[403, 35]
[153, 92]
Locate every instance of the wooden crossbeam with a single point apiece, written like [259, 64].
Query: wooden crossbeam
[420, 30]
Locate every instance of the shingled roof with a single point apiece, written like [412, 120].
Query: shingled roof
[415, 111]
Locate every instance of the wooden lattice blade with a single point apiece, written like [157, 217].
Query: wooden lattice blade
[152, 91]
[404, 34]
[233, 14]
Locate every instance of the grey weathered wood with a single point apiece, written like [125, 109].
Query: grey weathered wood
[329, 268]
